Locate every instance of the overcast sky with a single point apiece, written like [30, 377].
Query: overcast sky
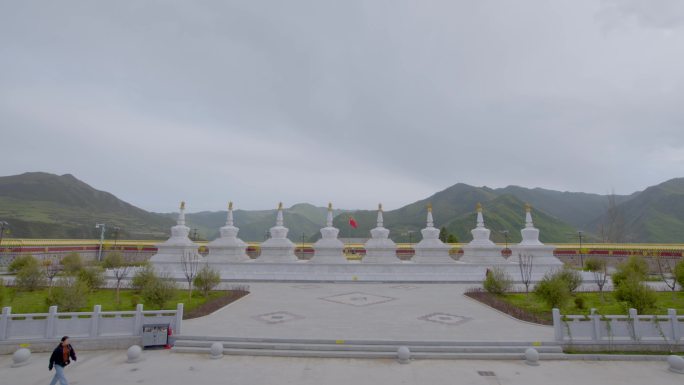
[353, 102]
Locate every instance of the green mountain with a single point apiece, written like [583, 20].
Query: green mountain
[576, 208]
[454, 208]
[655, 215]
[506, 213]
[42, 205]
[301, 219]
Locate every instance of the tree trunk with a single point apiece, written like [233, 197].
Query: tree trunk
[118, 284]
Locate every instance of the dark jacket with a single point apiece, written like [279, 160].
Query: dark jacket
[57, 357]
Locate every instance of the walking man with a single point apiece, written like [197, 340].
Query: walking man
[60, 358]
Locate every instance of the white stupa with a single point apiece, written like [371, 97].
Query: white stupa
[380, 249]
[329, 249]
[173, 249]
[530, 245]
[431, 249]
[481, 249]
[278, 248]
[228, 247]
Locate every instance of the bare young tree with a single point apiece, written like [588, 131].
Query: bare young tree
[666, 271]
[190, 262]
[120, 267]
[52, 268]
[599, 267]
[525, 262]
[613, 228]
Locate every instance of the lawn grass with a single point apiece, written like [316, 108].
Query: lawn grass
[34, 301]
[606, 305]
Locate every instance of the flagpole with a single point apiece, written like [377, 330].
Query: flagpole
[348, 231]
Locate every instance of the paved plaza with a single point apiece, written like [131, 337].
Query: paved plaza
[364, 311]
[166, 368]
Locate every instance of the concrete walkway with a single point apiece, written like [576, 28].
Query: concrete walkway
[364, 311]
[166, 368]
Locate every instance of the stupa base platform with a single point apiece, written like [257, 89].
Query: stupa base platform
[483, 255]
[406, 271]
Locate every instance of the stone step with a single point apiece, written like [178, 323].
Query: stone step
[367, 348]
[408, 343]
[365, 354]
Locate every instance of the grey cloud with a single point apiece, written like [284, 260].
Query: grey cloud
[660, 14]
[350, 101]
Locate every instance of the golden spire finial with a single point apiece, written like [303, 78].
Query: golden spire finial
[379, 206]
[182, 206]
[429, 206]
[230, 205]
[528, 207]
[329, 206]
[478, 207]
[280, 205]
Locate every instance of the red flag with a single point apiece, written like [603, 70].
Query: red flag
[352, 222]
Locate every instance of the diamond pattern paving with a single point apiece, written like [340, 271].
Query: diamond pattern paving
[444, 318]
[358, 299]
[404, 287]
[277, 317]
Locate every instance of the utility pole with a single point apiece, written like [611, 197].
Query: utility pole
[116, 235]
[410, 235]
[3, 224]
[302, 250]
[505, 233]
[102, 227]
[581, 254]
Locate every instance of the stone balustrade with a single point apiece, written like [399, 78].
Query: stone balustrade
[97, 323]
[607, 329]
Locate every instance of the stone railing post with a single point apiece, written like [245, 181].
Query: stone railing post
[674, 324]
[51, 322]
[4, 322]
[596, 325]
[633, 316]
[179, 319]
[557, 327]
[137, 325]
[95, 321]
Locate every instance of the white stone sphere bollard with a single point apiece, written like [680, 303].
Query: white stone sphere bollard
[532, 357]
[216, 351]
[21, 357]
[403, 355]
[676, 364]
[134, 354]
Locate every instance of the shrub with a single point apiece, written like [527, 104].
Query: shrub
[72, 263]
[594, 264]
[30, 277]
[113, 260]
[579, 302]
[207, 279]
[20, 262]
[143, 277]
[679, 273]
[92, 277]
[553, 290]
[636, 294]
[635, 266]
[135, 300]
[571, 277]
[497, 281]
[158, 292]
[68, 295]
